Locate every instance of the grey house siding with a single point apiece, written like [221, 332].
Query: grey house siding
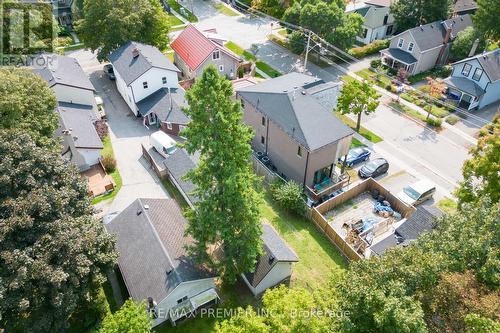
[230, 66]
[282, 149]
[427, 60]
[492, 94]
[186, 73]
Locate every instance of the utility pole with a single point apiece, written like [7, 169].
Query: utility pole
[307, 50]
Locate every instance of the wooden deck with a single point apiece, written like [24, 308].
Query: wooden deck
[98, 181]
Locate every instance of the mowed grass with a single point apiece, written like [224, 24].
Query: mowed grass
[249, 56]
[318, 258]
[367, 134]
[225, 10]
[108, 151]
[173, 21]
[447, 205]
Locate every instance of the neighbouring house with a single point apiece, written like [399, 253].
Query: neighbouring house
[66, 78]
[422, 220]
[421, 48]
[141, 71]
[77, 109]
[62, 10]
[154, 263]
[378, 20]
[296, 132]
[462, 7]
[475, 81]
[274, 265]
[81, 143]
[195, 50]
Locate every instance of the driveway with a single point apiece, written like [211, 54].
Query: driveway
[126, 133]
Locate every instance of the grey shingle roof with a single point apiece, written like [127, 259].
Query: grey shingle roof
[178, 165]
[80, 119]
[301, 105]
[151, 246]
[490, 61]
[159, 103]
[400, 55]
[465, 85]
[58, 69]
[275, 250]
[432, 34]
[131, 68]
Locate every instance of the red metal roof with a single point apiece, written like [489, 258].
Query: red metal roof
[194, 47]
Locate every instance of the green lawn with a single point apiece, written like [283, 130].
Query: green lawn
[356, 143]
[378, 79]
[249, 56]
[318, 258]
[173, 20]
[225, 10]
[267, 69]
[367, 134]
[283, 32]
[177, 7]
[447, 205]
[108, 151]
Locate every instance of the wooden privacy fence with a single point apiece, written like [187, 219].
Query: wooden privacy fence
[261, 170]
[317, 213]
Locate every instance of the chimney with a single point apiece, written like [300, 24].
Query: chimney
[135, 52]
[474, 47]
[170, 98]
[446, 40]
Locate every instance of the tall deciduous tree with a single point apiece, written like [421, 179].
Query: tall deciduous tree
[486, 18]
[480, 173]
[357, 98]
[227, 214]
[27, 103]
[53, 253]
[411, 13]
[108, 24]
[462, 45]
[131, 317]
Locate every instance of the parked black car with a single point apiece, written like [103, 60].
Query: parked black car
[108, 69]
[374, 168]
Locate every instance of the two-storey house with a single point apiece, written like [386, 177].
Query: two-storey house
[378, 20]
[148, 82]
[421, 48]
[195, 50]
[295, 127]
[475, 81]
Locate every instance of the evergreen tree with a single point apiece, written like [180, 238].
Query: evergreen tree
[227, 215]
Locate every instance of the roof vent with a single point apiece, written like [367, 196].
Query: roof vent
[139, 212]
[135, 52]
[271, 259]
[303, 92]
[170, 270]
[146, 207]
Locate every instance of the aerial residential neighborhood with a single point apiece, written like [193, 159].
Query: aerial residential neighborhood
[249, 166]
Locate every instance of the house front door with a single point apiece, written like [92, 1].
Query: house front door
[151, 119]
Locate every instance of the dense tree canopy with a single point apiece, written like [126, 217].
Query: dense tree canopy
[357, 98]
[108, 24]
[411, 13]
[227, 214]
[481, 176]
[327, 19]
[28, 104]
[53, 254]
[486, 18]
[131, 317]
[462, 45]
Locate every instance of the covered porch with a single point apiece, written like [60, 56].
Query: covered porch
[464, 92]
[326, 181]
[397, 58]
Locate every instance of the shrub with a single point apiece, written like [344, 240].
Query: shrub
[375, 63]
[363, 51]
[109, 163]
[436, 122]
[297, 42]
[452, 119]
[288, 195]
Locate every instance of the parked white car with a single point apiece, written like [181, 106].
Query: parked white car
[163, 143]
[417, 193]
[100, 107]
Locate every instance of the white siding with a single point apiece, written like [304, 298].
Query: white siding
[280, 272]
[154, 79]
[189, 289]
[126, 92]
[75, 95]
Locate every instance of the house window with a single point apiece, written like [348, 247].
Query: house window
[169, 126]
[216, 55]
[364, 33]
[164, 80]
[410, 47]
[299, 151]
[477, 74]
[242, 103]
[389, 30]
[263, 121]
[145, 85]
[180, 300]
[221, 68]
[400, 43]
[386, 17]
[262, 140]
[466, 70]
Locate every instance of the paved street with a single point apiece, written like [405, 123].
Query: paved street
[127, 133]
